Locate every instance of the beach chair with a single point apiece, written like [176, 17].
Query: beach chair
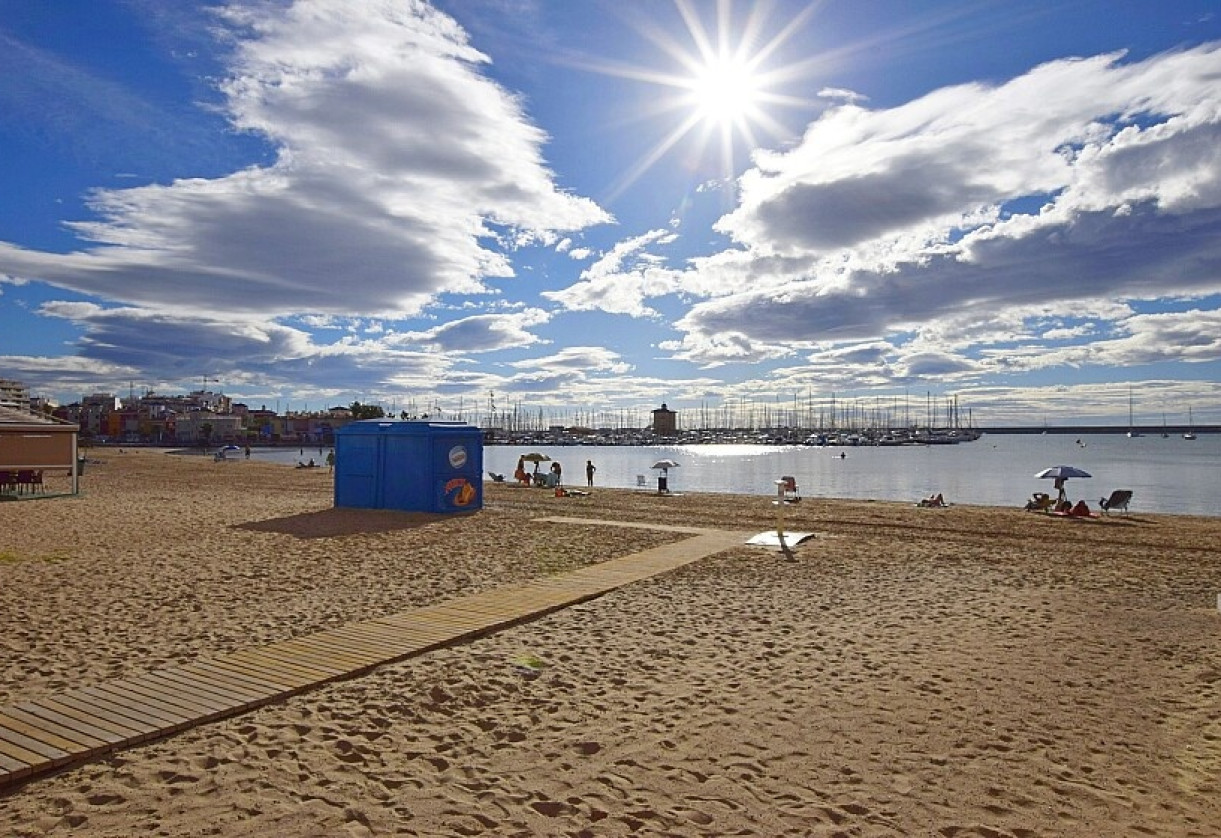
[1119, 499]
[787, 489]
[29, 480]
[496, 478]
[1040, 502]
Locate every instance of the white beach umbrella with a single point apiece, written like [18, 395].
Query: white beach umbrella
[1062, 472]
[664, 465]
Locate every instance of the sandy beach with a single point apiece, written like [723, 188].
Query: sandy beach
[968, 671]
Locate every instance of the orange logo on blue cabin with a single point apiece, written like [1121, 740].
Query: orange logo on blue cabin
[460, 492]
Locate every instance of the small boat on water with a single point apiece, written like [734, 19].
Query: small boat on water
[1132, 432]
[1191, 426]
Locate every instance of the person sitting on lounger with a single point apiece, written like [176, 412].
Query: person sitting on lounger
[1039, 502]
[520, 474]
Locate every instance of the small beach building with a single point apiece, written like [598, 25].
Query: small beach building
[665, 421]
[30, 446]
[422, 466]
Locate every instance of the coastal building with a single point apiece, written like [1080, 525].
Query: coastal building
[665, 421]
[14, 394]
[31, 446]
[91, 413]
[200, 416]
[206, 426]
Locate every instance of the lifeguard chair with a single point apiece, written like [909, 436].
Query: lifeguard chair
[786, 495]
[786, 490]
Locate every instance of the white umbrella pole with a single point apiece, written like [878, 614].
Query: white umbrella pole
[779, 502]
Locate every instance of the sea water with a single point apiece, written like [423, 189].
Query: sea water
[1166, 474]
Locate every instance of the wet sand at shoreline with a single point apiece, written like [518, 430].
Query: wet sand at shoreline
[961, 671]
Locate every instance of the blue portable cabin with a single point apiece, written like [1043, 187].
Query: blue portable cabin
[422, 466]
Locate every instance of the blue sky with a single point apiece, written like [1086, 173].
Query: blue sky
[579, 206]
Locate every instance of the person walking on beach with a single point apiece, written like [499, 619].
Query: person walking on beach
[558, 471]
[589, 473]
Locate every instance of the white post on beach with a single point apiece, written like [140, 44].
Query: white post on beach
[786, 493]
[779, 502]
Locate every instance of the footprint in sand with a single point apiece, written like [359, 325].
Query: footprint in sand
[552, 808]
[694, 816]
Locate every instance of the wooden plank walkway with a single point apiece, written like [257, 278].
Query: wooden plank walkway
[66, 729]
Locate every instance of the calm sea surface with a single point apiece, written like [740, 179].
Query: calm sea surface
[1166, 474]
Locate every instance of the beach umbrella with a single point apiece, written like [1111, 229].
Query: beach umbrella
[535, 457]
[664, 465]
[1062, 473]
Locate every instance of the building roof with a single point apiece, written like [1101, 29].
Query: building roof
[13, 416]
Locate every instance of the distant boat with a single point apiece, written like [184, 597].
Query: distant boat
[1132, 432]
[1191, 426]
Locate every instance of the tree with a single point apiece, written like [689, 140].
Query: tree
[366, 411]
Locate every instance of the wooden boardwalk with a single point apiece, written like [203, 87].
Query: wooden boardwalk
[66, 729]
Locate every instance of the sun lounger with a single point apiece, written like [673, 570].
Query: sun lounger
[1119, 499]
[1040, 502]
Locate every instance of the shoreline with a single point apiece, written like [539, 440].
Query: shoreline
[1018, 501]
[912, 671]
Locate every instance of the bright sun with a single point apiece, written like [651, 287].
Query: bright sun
[725, 92]
[726, 77]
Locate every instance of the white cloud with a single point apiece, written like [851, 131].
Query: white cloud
[897, 220]
[1189, 337]
[621, 281]
[159, 349]
[841, 94]
[478, 333]
[584, 358]
[397, 163]
[725, 347]
[321, 321]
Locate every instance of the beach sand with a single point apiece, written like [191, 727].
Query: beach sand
[952, 672]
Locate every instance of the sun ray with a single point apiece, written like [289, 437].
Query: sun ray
[699, 36]
[765, 85]
[720, 82]
[651, 157]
